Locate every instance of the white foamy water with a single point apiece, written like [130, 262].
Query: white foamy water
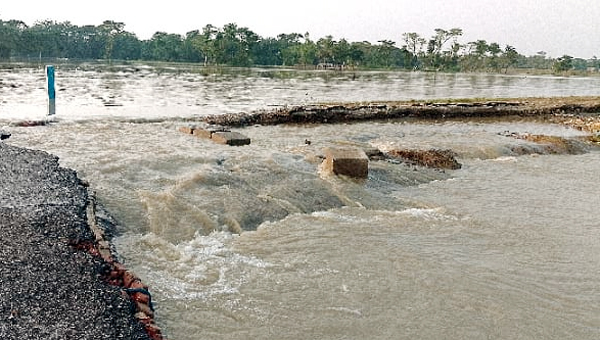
[504, 248]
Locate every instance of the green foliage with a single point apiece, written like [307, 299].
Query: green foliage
[8, 38]
[510, 58]
[109, 30]
[439, 58]
[563, 64]
[239, 46]
[163, 46]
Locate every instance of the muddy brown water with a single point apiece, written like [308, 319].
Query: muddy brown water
[505, 247]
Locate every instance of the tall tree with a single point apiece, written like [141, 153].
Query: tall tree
[510, 57]
[127, 47]
[234, 45]
[190, 52]
[494, 51]
[342, 52]
[308, 51]
[435, 47]
[289, 47]
[267, 51]
[163, 46]
[205, 43]
[109, 30]
[356, 54]
[414, 44]
[9, 38]
[563, 64]
[325, 51]
[476, 56]
[386, 55]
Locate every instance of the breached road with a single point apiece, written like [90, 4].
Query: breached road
[51, 287]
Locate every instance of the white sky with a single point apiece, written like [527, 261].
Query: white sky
[556, 26]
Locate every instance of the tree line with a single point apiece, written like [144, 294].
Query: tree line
[232, 45]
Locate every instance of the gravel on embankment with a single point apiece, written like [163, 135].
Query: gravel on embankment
[50, 286]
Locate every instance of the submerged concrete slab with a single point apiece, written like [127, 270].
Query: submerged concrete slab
[188, 129]
[351, 162]
[203, 131]
[230, 138]
[208, 130]
[216, 133]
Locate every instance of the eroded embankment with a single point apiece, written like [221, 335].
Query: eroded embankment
[582, 113]
[55, 269]
[568, 110]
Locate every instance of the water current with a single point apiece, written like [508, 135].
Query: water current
[253, 242]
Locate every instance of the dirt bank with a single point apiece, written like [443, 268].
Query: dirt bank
[568, 110]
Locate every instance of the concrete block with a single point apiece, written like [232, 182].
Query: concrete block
[230, 138]
[4, 135]
[207, 131]
[374, 154]
[202, 133]
[188, 130]
[217, 133]
[351, 162]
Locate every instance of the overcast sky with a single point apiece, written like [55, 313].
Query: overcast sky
[557, 27]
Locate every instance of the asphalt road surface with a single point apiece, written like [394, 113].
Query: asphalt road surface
[50, 286]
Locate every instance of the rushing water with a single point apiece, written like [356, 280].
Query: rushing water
[505, 248]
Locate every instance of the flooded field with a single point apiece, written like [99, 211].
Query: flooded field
[506, 247]
[140, 91]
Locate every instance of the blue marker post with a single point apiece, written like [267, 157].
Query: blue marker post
[51, 90]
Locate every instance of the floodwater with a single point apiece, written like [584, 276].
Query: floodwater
[254, 242]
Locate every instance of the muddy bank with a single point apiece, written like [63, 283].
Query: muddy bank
[53, 277]
[562, 108]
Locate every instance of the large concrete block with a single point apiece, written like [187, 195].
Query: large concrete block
[230, 138]
[351, 162]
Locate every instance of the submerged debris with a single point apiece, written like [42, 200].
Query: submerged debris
[548, 144]
[589, 123]
[433, 158]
